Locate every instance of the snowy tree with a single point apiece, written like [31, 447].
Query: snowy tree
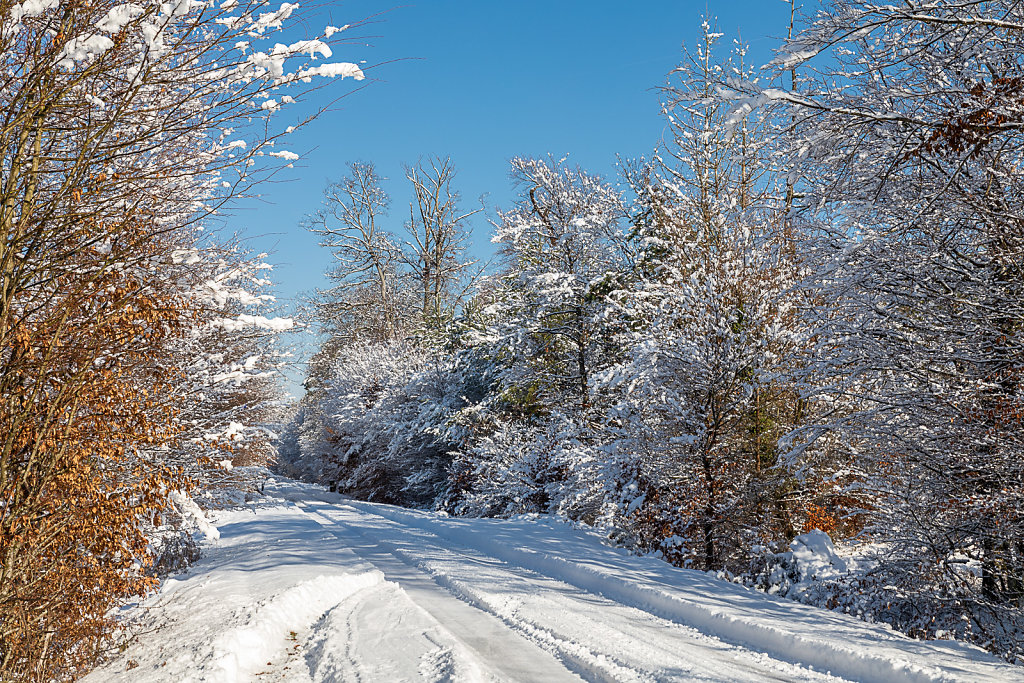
[387, 287]
[369, 301]
[438, 230]
[564, 250]
[546, 330]
[364, 400]
[907, 150]
[702, 393]
[232, 360]
[124, 126]
[377, 389]
[386, 424]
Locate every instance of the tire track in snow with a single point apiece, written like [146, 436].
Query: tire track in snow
[620, 655]
[873, 653]
[240, 653]
[502, 653]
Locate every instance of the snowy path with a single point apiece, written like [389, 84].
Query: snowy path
[313, 588]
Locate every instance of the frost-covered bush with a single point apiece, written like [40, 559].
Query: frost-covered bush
[174, 542]
[550, 467]
[363, 400]
[384, 426]
[805, 572]
[856, 580]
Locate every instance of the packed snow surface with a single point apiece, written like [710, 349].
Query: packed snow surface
[309, 586]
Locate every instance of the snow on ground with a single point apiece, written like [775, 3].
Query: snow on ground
[308, 586]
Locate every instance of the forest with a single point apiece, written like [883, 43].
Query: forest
[801, 316]
[798, 324]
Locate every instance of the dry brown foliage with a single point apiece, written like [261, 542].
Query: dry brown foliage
[80, 386]
[107, 162]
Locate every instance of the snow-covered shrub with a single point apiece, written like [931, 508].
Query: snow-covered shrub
[801, 572]
[174, 544]
[858, 580]
[173, 550]
[524, 467]
[384, 426]
[364, 397]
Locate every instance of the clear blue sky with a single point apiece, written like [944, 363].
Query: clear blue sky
[483, 81]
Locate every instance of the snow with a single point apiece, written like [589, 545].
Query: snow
[83, 48]
[269, 20]
[179, 8]
[32, 8]
[343, 69]
[193, 515]
[816, 556]
[241, 652]
[232, 431]
[307, 586]
[312, 47]
[118, 17]
[245, 320]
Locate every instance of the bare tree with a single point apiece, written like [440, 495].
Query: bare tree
[365, 302]
[439, 232]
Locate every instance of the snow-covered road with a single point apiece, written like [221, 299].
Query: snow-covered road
[308, 586]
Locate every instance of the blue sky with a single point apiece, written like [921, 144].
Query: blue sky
[483, 81]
